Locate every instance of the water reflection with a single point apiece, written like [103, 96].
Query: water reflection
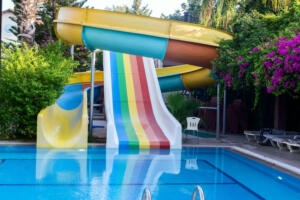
[62, 166]
[108, 173]
[139, 169]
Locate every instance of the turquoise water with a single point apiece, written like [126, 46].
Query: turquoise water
[97, 173]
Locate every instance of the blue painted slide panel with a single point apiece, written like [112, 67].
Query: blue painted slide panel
[118, 41]
[119, 123]
[71, 97]
[171, 83]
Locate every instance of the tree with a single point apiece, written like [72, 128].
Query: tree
[263, 45]
[177, 15]
[136, 8]
[25, 12]
[220, 13]
[206, 12]
[45, 30]
[124, 8]
[191, 8]
[265, 6]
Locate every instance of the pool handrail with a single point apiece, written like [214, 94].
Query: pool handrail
[199, 190]
[146, 194]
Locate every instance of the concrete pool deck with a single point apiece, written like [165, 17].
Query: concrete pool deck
[284, 160]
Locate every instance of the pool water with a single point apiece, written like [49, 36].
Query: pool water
[98, 173]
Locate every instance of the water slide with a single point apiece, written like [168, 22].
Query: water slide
[137, 116]
[70, 111]
[181, 77]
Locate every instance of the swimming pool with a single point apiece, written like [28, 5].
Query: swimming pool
[98, 173]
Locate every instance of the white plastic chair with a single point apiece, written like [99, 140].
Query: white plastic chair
[192, 124]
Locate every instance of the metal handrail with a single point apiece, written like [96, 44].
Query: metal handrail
[146, 194]
[199, 190]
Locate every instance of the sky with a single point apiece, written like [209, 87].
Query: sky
[157, 6]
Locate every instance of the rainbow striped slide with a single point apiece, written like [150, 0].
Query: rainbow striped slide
[136, 114]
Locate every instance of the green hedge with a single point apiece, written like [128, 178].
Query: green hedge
[30, 80]
[182, 107]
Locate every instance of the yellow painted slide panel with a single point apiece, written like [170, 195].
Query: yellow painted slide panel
[192, 76]
[59, 128]
[198, 78]
[180, 69]
[85, 77]
[69, 18]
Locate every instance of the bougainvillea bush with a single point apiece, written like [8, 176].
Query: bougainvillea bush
[264, 54]
[280, 71]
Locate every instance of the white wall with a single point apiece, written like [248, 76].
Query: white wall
[6, 25]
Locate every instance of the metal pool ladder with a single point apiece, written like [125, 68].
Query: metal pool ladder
[199, 190]
[146, 194]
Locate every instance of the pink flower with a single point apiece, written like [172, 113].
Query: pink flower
[255, 75]
[269, 89]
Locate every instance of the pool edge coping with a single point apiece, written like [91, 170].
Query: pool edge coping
[273, 162]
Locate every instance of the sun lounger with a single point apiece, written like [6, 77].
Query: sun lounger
[293, 145]
[279, 140]
[258, 136]
[252, 135]
[287, 141]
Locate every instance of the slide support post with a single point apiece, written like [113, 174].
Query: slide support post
[218, 113]
[224, 111]
[93, 62]
[72, 51]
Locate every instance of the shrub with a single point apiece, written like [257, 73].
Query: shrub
[280, 73]
[255, 56]
[182, 107]
[30, 80]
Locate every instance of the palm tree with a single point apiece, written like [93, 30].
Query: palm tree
[25, 17]
[219, 13]
[207, 12]
[136, 8]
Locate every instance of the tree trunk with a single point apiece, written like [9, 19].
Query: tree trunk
[28, 17]
[280, 113]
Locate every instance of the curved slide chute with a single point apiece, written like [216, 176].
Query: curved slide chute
[137, 116]
[64, 124]
[181, 77]
[139, 35]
